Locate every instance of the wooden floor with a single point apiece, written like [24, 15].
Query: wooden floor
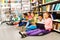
[11, 33]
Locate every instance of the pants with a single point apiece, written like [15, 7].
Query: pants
[22, 24]
[7, 22]
[37, 32]
[4, 22]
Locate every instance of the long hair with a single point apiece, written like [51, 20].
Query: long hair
[48, 14]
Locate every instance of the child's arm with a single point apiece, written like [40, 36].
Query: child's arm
[27, 24]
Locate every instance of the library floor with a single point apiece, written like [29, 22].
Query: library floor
[11, 33]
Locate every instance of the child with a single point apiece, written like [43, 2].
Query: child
[40, 19]
[29, 15]
[48, 21]
[32, 26]
[28, 26]
[16, 19]
[48, 27]
[23, 22]
[7, 19]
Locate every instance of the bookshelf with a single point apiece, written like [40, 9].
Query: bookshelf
[49, 6]
[49, 3]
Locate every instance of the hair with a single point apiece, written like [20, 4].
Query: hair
[48, 14]
[40, 15]
[33, 13]
[25, 14]
[29, 12]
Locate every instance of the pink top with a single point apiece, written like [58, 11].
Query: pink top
[30, 17]
[48, 24]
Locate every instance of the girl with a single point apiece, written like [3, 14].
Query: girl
[29, 15]
[48, 21]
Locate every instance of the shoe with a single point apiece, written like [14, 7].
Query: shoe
[25, 35]
[22, 36]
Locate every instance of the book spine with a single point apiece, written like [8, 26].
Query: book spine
[43, 1]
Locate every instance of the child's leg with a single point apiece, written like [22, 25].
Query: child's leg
[39, 32]
[32, 31]
[3, 22]
[21, 30]
[35, 33]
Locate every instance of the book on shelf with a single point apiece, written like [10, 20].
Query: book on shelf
[53, 7]
[39, 1]
[40, 9]
[48, 7]
[58, 16]
[57, 7]
[44, 8]
[50, 1]
[3, 1]
[32, 1]
[54, 15]
[43, 1]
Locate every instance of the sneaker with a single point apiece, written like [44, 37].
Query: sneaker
[22, 36]
[25, 35]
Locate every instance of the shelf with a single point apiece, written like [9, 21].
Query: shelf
[52, 11]
[32, 2]
[50, 3]
[57, 30]
[34, 7]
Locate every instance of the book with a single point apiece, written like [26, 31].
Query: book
[43, 1]
[3, 1]
[58, 16]
[57, 7]
[40, 9]
[53, 6]
[39, 1]
[50, 0]
[48, 7]
[32, 1]
[44, 8]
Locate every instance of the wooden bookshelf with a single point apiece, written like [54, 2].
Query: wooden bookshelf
[48, 8]
[50, 3]
[51, 11]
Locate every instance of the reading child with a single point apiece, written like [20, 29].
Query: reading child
[48, 27]
[40, 19]
[16, 19]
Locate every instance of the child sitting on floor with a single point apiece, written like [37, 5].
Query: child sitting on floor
[48, 27]
[23, 22]
[32, 26]
[40, 19]
[16, 20]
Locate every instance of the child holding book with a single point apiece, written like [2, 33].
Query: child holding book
[48, 27]
[40, 19]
